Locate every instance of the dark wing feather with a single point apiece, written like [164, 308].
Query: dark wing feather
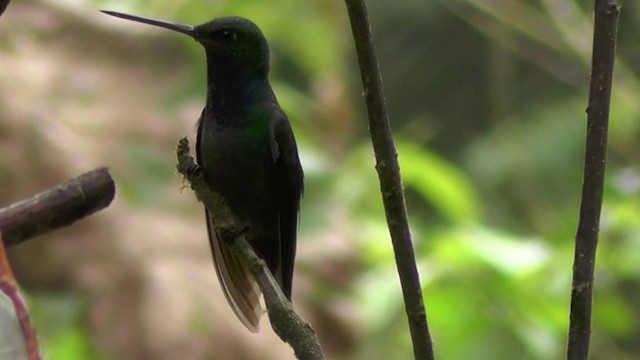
[239, 287]
[290, 181]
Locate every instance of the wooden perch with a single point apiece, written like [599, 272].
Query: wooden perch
[57, 207]
[284, 321]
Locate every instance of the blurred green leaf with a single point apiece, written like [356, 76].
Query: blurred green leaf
[438, 182]
[60, 322]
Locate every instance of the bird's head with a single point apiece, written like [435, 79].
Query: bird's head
[233, 44]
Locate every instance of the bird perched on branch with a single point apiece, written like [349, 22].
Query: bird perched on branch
[248, 153]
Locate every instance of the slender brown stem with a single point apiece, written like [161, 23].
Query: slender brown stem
[9, 287]
[57, 207]
[390, 181]
[284, 321]
[604, 38]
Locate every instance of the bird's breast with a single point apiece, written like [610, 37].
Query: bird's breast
[233, 144]
[238, 163]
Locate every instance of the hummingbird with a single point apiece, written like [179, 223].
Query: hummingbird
[248, 154]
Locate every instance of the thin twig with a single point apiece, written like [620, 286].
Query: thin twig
[284, 321]
[604, 38]
[390, 181]
[9, 287]
[57, 207]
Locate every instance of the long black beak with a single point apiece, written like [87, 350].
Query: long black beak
[185, 29]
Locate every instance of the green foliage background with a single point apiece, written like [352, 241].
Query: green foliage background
[487, 101]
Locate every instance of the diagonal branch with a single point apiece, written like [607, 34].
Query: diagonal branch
[604, 38]
[390, 182]
[284, 321]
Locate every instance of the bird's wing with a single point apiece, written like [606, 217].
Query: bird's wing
[290, 180]
[240, 288]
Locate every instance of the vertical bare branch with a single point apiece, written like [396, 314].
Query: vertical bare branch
[604, 38]
[390, 181]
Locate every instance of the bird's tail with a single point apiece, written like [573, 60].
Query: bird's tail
[240, 288]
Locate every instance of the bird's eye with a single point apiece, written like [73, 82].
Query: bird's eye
[230, 35]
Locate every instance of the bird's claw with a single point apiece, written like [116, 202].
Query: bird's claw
[230, 233]
[194, 169]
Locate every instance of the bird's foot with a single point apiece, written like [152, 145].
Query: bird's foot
[230, 233]
[194, 169]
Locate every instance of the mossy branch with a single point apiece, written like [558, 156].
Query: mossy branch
[284, 320]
